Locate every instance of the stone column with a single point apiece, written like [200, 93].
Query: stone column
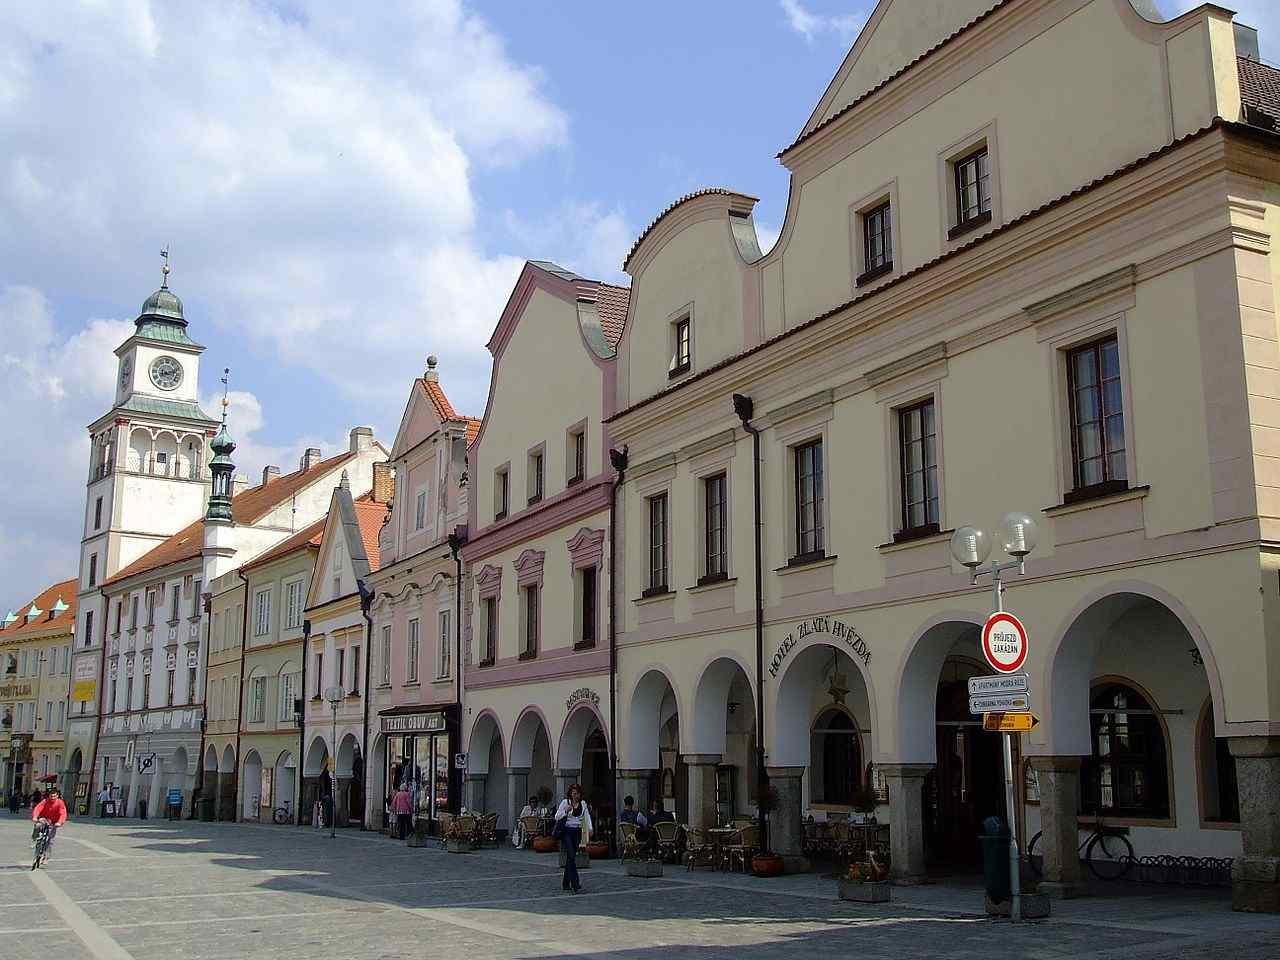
[565, 777]
[786, 828]
[474, 794]
[702, 788]
[155, 800]
[517, 792]
[906, 820]
[635, 783]
[1059, 779]
[1255, 877]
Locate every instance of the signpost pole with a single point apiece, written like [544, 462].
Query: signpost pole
[1015, 878]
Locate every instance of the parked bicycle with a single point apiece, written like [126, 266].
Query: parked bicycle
[1106, 851]
[41, 837]
[282, 814]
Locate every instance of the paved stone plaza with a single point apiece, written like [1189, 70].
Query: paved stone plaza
[163, 890]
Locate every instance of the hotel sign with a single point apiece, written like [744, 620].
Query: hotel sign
[816, 626]
[12, 691]
[413, 723]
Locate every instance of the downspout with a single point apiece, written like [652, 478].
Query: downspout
[455, 547]
[618, 460]
[300, 716]
[745, 409]
[244, 646]
[366, 604]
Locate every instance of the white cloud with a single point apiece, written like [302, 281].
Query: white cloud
[812, 25]
[767, 235]
[581, 236]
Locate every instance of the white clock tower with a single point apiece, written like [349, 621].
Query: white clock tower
[148, 478]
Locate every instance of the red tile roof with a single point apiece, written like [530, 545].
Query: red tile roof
[249, 506]
[64, 591]
[611, 305]
[705, 192]
[473, 429]
[370, 515]
[1259, 87]
[304, 538]
[435, 393]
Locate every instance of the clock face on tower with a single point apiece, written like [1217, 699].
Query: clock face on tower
[166, 373]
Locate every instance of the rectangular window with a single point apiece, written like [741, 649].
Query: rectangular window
[420, 513]
[293, 605]
[411, 654]
[133, 612]
[261, 612]
[658, 544]
[319, 674]
[809, 507]
[535, 476]
[355, 670]
[88, 627]
[195, 601]
[128, 693]
[111, 700]
[529, 598]
[1097, 417]
[681, 347]
[62, 713]
[443, 650]
[385, 656]
[257, 699]
[168, 689]
[151, 607]
[340, 669]
[490, 631]
[48, 715]
[577, 455]
[146, 690]
[587, 579]
[191, 684]
[918, 467]
[501, 494]
[973, 187]
[119, 615]
[93, 569]
[715, 524]
[288, 691]
[877, 242]
[97, 514]
[175, 601]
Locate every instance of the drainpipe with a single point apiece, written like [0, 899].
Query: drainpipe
[456, 541]
[244, 646]
[300, 716]
[745, 409]
[366, 605]
[618, 460]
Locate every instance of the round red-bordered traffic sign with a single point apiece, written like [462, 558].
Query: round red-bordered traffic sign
[1004, 642]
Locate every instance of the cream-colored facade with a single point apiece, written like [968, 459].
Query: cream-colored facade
[1119, 252]
[222, 692]
[35, 671]
[536, 707]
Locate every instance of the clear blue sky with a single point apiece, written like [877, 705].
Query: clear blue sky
[345, 189]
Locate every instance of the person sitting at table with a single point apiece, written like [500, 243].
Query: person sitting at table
[659, 815]
[518, 836]
[631, 815]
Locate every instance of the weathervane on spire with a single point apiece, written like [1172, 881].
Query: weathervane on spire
[226, 376]
[164, 269]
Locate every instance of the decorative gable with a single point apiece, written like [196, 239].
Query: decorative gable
[528, 567]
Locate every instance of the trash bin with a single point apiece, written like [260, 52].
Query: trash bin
[995, 858]
[206, 809]
[142, 809]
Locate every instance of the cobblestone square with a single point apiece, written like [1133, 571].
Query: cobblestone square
[149, 889]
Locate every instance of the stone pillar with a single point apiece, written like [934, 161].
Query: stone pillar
[786, 828]
[1255, 877]
[155, 800]
[517, 792]
[702, 788]
[474, 794]
[635, 783]
[565, 777]
[906, 820]
[1059, 779]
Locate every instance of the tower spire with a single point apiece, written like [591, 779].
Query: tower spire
[164, 269]
[221, 467]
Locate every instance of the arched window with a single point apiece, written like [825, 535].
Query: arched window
[835, 758]
[1219, 796]
[1128, 773]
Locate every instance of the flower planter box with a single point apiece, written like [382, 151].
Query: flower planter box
[644, 868]
[767, 865]
[874, 891]
[545, 845]
[458, 846]
[584, 859]
[597, 849]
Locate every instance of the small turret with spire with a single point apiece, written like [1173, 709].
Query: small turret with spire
[221, 466]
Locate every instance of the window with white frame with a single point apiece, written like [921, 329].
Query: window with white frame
[877, 242]
[501, 493]
[262, 612]
[420, 511]
[530, 620]
[411, 653]
[489, 652]
[588, 605]
[1097, 418]
[681, 346]
[535, 476]
[355, 670]
[918, 468]
[809, 520]
[340, 669]
[444, 646]
[715, 528]
[384, 656]
[257, 699]
[658, 570]
[293, 603]
[288, 693]
[576, 455]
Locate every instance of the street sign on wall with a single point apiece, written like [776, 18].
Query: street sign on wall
[1004, 642]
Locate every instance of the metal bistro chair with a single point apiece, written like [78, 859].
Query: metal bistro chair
[698, 850]
[668, 834]
[487, 830]
[462, 829]
[529, 827]
[630, 844]
[744, 847]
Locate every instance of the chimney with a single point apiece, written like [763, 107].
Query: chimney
[361, 439]
[430, 376]
[384, 482]
[238, 484]
[269, 474]
[309, 459]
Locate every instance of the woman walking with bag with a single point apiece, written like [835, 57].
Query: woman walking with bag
[573, 828]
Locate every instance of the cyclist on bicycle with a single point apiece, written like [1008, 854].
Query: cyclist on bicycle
[52, 810]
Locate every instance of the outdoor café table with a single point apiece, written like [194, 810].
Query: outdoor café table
[546, 825]
[719, 837]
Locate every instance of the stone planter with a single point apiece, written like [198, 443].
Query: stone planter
[873, 891]
[767, 865]
[584, 859]
[416, 840]
[458, 846]
[644, 868]
[597, 849]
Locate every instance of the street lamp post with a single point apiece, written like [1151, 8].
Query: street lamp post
[971, 547]
[334, 696]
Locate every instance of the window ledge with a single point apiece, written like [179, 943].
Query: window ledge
[573, 481]
[705, 584]
[875, 273]
[807, 562]
[921, 536]
[411, 683]
[317, 698]
[439, 680]
[528, 655]
[383, 686]
[679, 371]
[172, 623]
[535, 499]
[353, 695]
[584, 645]
[500, 515]
[1101, 497]
[969, 226]
[654, 594]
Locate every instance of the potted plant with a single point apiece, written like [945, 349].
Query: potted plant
[597, 849]
[766, 863]
[865, 882]
[864, 803]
